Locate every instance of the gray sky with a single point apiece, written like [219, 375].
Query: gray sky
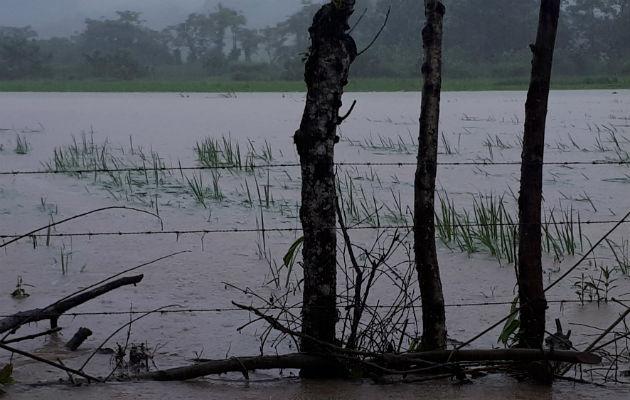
[64, 17]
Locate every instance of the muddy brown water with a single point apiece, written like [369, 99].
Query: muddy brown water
[475, 127]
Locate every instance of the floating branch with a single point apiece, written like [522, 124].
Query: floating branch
[301, 360]
[54, 311]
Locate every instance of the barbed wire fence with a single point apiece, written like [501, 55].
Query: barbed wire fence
[263, 230]
[292, 165]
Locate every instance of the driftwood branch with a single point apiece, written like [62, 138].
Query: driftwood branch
[78, 338]
[52, 363]
[55, 310]
[384, 363]
[234, 364]
[515, 354]
[301, 360]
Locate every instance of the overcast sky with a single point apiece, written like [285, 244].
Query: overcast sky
[64, 17]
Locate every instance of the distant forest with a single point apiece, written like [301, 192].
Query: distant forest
[482, 39]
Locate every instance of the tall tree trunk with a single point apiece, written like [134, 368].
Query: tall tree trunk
[433, 317]
[331, 53]
[530, 281]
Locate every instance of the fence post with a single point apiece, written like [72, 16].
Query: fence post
[530, 280]
[326, 73]
[433, 315]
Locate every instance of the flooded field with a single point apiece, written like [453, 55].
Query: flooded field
[232, 224]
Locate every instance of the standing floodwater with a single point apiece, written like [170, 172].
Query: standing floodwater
[588, 135]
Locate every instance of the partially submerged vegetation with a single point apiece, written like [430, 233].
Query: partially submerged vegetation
[225, 173]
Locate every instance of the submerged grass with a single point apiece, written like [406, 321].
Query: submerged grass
[621, 254]
[21, 145]
[225, 153]
[491, 228]
[141, 180]
[488, 227]
[132, 175]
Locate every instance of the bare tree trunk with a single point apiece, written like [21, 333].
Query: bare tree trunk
[530, 280]
[433, 318]
[331, 53]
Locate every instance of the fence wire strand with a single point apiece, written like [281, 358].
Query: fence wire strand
[294, 165]
[267, 308]
[179, 232]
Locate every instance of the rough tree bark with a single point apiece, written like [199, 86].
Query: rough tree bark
[326, 73]
[433, 317]
[530, 280]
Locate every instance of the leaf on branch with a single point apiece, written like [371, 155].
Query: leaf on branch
[5, 375]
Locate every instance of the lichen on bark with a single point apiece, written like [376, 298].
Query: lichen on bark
[331, 53]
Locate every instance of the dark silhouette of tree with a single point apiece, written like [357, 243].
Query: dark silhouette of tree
[124, 45]
[249, 40]
[195, 36]
[20, 55]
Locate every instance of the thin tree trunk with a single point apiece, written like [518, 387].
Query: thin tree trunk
[331, 53]
[433, 317]
[530, 280]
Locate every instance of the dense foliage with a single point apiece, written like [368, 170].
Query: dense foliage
[20, 55]
[482, 39]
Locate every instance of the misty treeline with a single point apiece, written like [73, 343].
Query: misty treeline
[482, 39]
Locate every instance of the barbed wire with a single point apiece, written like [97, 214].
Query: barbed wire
[293, 165]
[179, 232]
[293, 307]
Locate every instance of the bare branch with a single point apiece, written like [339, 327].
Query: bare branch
[45, 361]
[358, 21]
[377, 34]
[341, 119]
[80, 216]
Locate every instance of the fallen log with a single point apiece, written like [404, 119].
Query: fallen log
[388, 361]
[55, 310]
[516, 354]
[240, 364]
